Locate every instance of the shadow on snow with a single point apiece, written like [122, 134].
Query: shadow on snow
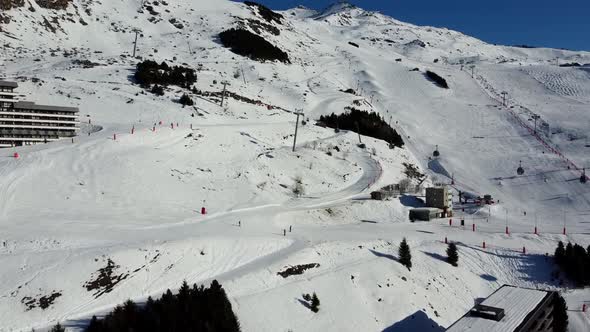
[418, 321]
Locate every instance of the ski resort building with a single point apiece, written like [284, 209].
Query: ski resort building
[425, 214]
[440, 198]
[510, 309]
[26, 123]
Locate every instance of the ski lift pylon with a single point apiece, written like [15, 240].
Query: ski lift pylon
[583, 178]
[520, 170]
[436, 154]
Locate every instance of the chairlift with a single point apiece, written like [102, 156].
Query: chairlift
[583, 178]
[436, 154]
[520, 170]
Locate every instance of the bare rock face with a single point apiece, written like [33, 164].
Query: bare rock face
[49, 4]
[54, 4]
[9, 4]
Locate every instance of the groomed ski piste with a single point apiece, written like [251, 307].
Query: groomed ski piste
[128, 205]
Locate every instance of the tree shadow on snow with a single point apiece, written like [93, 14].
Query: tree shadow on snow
[383, 255]
[305, 303]
[436, 256]
[418, 321]
[488, 277]
[80, 324]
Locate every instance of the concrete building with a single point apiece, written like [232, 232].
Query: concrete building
[425, 214]
[26, 123]
[440, 198]
[510, 309]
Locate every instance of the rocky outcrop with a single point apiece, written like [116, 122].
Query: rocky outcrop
[54, 4]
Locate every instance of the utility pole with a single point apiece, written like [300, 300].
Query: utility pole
[243, 76]
[535, 117]
[298, 113]
[225, 84]
[564, 221]
[504, 93]
[358, 131]
[135, 42]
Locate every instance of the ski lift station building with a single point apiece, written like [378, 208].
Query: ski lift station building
[440, 198]
[26, 123]
[425, 214]
[510, 309]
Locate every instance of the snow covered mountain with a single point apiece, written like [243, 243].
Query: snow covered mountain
[68, 210]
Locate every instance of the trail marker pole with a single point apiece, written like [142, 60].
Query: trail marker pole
[507, 232]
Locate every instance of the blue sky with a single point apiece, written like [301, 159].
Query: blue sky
[558, 24]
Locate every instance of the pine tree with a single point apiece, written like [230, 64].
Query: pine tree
[315, 303]
[560, 319]
[95, 325]
[560, 254]
[158, 90]
[58, 328]
[452, 254]
[405, 257]
[185, 100]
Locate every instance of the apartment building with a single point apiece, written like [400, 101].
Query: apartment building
[26, 123]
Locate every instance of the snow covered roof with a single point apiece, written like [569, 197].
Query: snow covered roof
[32, 106]
[427, 209]
[8, 84]
[517, 303]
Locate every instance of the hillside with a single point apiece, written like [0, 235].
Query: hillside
[130, 202]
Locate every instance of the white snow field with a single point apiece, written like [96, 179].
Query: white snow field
[131, 205]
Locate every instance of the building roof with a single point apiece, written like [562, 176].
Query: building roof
[27, 105]
[518, 304]
[8, 84]
[427, 209]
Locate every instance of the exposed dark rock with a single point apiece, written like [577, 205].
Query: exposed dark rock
[297, 269]
[265, 12]
[105, 279]
[54, 4]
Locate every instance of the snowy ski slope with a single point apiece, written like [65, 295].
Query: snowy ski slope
[68, 209]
